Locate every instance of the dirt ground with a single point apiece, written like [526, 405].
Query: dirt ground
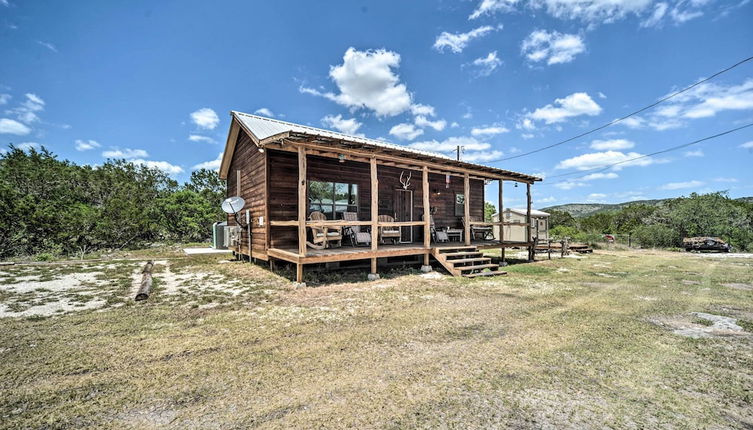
[617, 339]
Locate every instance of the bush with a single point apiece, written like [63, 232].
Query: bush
[657, 236]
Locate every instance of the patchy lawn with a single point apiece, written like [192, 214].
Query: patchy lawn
[620, 339]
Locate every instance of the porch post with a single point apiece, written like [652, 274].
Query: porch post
[301, 211]
[528, 223]
[374, 218]
[427, 219]
[501, 223]
[467, 207]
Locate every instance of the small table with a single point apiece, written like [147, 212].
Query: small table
[454, 234]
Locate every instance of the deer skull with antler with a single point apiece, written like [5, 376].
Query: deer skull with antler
[406, 182]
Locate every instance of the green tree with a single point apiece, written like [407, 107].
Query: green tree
[489, 211]
[561, 218]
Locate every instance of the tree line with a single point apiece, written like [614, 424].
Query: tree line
[55, 206]
[666, 224]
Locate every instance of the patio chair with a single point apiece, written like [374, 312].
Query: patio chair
[324, 237]
[354, 232]
[437, 235]
[388, 232]
[483, 232]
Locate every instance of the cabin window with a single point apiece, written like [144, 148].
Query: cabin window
[459, 204]
[333, 198]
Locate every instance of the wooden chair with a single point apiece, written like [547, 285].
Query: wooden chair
[437, 235]
[324, 237]
[355, 233]
[388, 232]
[483, 232]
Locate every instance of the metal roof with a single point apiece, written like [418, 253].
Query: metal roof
[534, 213]
[266, 130]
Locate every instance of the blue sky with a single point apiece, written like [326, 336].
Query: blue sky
[154, 82]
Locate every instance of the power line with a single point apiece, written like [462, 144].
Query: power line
[662, 100]
[663, 151]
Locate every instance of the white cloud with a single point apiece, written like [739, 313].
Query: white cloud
[450, 144]
[492, 6]
[592, 11]
[486, 65]
[211, 165]
[695, 153]
[456, 42]
[205, 118]
[25, 146]
[569, 185]
[575, 104]
[600, 159]
[723, 179]
[481, 156]
[660, 9]
[596, 197]
[595, 176]
[85, 145]
[681, 185]
[48, 45]
[419, 109]
[27, 111]
[264, 112]
[613, 144]
[488, 131]
[366, 80]
[347, 126]
[747, 145]
[126, 153]
[406, 131]
[166, 167]
[4, 99]
[11, 126]
[552, 47]
[200, 138]
[549, 199]
[422, 121]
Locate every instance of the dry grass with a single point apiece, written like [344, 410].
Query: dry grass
[554, 344]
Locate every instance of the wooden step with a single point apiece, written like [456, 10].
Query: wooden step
[476, 275]
[462, 254]
[452, 248]
[469, 260]
[476, 267]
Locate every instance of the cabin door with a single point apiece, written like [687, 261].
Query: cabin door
[404, 212]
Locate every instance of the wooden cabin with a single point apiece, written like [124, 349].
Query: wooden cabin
[300, 183]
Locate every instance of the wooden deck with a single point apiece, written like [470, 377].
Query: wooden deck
[346, 253]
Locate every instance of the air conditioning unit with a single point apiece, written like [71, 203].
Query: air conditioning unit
[233, 235]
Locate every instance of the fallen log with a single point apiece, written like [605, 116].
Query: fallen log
[146, 282]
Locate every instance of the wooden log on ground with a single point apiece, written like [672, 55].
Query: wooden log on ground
[146, 282]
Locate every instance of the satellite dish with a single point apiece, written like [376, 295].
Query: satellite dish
[233, 205]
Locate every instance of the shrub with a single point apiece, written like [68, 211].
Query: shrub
[657, 236]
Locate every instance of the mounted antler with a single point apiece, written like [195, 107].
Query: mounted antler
[405, 183]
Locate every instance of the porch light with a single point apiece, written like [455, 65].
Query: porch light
[516, 185]
[261, 149]
[341, 157]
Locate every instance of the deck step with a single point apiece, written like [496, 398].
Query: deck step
[463, 254]
[479, 274]
[476, 267]
[470, 260]
[445, 250]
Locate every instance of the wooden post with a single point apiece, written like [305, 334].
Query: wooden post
[528, 222]
[374, 214]
[467, 208]
[427, 215]
[299, 273]
[146, 282]
[501, 223]
[301, 203]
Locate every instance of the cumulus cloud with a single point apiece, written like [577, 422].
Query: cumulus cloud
[422, 121]
[264, 112]
[347, 126]
[569, 185]
[747, 145]
[366, 80]
[600, 159]
[126, 153]
[485, 66]
[552, 47]
[613, 144]
[406, 131]
[27, 111]
[482, 156]
[681, 185]
[457, 42]
[205, 118]
[419, 109]
[86, 145]
[473, 149]
[488, 131]
[11, 126]
[488, 7]
[596, 176]
[200, 138]
[166, 167]
[596, 197]
[574, 105]
[592, 11]
[211, 165]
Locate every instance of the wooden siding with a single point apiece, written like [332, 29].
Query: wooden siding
[252, 165]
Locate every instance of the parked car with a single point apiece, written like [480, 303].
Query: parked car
[705, 244]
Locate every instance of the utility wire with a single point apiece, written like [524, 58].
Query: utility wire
[662, 100]
[663, 151]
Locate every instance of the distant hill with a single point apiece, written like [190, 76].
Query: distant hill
[585, 209]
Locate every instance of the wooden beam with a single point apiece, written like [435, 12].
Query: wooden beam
[528, 221]
[467, 207]
[299, 272]
[427, 212]
[374, 210]
[500, 211]
[301, 202]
